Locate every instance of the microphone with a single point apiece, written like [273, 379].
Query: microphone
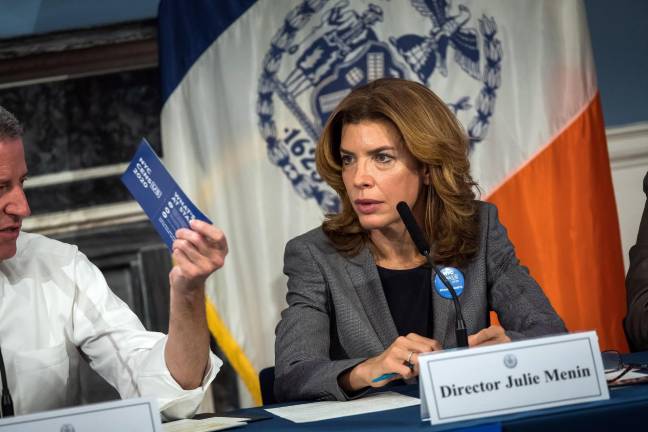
[6, 402]
[424, 249]
[413, 229]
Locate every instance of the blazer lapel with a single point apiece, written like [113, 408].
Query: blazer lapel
[366, 281]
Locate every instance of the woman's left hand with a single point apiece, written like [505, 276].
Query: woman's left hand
[488, 336]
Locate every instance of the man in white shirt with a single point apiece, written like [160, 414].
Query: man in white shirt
[56, 309]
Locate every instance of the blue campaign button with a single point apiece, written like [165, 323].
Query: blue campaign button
[456, 279]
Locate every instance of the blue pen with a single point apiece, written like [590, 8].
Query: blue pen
[384, 377]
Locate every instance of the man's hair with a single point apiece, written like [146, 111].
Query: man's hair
[10, 127]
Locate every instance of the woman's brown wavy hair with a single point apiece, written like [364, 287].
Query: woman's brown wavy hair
[435, 138]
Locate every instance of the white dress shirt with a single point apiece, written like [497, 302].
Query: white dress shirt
[56, 307]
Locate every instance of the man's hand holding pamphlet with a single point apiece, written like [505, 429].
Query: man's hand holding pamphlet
[165, 204]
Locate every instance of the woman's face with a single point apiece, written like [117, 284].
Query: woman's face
[378, 172]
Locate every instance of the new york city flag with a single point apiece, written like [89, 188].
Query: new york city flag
[248, 85]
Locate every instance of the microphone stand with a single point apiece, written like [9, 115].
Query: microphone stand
[461, 332]
[424, 249]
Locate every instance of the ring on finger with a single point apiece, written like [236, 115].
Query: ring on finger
[409, 360]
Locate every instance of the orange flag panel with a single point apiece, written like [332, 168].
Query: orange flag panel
[561, 215]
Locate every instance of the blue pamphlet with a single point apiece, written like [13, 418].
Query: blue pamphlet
[165, 204]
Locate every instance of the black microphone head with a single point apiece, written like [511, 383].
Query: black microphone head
[412, 228]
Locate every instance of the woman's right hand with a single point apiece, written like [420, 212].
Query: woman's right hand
[393, 360]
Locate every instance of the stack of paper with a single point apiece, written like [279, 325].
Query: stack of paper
[205, 425]
[317, 411]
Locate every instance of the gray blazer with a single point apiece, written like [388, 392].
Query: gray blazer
[338, 316]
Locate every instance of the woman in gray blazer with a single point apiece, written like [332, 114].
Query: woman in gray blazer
[361, 299]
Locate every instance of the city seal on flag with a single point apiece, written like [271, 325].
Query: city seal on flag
[324, 50]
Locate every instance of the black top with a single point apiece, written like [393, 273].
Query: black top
[409, 297]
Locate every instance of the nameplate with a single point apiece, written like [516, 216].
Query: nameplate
[130, 415]
[465, 384]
